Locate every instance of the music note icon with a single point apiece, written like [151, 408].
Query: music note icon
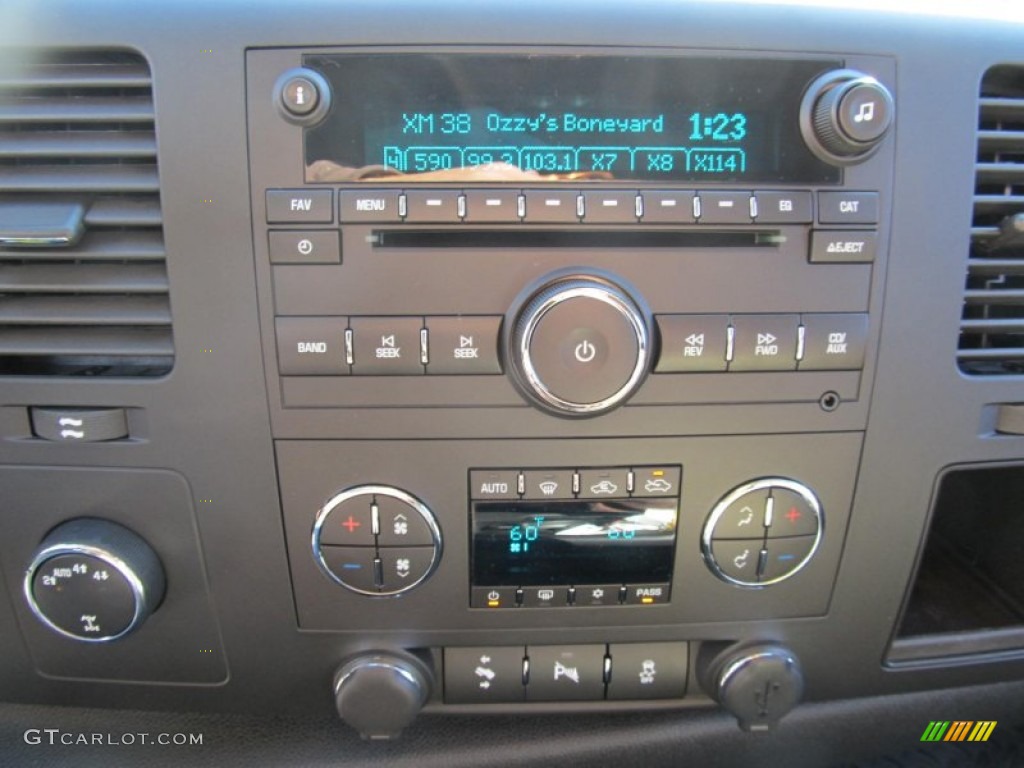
[866, 113]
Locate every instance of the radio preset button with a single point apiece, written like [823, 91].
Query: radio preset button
[555, 484]
[725, 208]
[492, 484]
[737, 558]
[848, 207]
[311, 346]
[764, 342]
[289, 246]
[668, 207]
[300, 206]
[492, 206]
[355, 567]
[483, 675]
[834, 342]
[554, 206]
[463, 345]
[604, 483]
[843, 246]
[609, 207]
[566, 673]
[386, 345]
[437, 206]
[368, 205]
[744, 518]
[692, 343]
[648, 671]
[656, 482]
[783, 207]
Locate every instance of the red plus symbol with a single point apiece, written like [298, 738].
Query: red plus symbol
[793, 515]
[351, 524]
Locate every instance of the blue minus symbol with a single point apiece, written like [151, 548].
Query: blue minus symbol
[351, 566]
[787, 557]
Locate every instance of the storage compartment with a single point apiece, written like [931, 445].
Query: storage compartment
[968, 595]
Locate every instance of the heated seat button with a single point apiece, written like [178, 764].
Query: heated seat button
[565, 673]
[691, 343]
[79, 425]
[764, 342]
[834, 342]
[368, 205]
[386, 345]
[483, 675]
[311, 346]
[463, 345]
[648, 671]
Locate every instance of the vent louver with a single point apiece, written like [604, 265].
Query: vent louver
[992, 328]
[83, 279]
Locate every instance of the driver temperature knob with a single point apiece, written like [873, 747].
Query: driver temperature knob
[580, 345]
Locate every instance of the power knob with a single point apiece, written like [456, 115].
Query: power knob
[93, 580]
[379, 694]
[845, 115]
[580, 344]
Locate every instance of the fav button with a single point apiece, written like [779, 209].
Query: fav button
[300, 206]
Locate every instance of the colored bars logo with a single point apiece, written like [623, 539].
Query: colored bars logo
[958, 730]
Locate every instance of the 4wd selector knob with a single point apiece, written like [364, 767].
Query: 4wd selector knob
[93, 580]
[580, 345]
[845, 115]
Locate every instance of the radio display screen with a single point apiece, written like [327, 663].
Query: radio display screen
[557, 118]
[525, 543]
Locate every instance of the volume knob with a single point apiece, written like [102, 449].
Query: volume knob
[845, 116]
[580, 345]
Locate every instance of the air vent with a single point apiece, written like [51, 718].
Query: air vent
[83, 279]
[992, 329]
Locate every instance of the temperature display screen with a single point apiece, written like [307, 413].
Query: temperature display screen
[486, 118]
[573, 542]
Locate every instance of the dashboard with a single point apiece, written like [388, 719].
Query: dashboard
[604, 376]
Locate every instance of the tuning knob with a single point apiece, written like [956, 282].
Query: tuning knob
[845, 116]
[758, 684]
[379, 694]
[580, 345]
[93, 580]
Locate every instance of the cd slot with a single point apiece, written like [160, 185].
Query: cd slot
[574, 238]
